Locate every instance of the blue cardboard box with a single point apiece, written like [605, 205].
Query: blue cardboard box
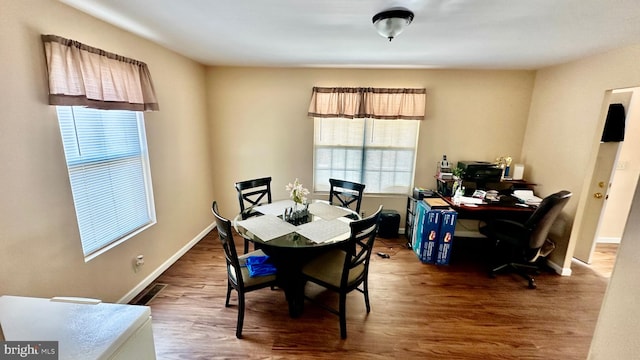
[445, 236]
[429, 245]
[425, 242]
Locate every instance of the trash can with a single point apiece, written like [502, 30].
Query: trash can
[389, 224]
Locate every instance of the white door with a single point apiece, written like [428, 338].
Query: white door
[596, 190]
[597, 196]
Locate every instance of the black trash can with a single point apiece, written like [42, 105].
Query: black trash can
[389, 224]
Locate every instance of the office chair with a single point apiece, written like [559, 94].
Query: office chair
[344, 269]
[345, 193]
[238, 278]
[250, 193]
[526, 243]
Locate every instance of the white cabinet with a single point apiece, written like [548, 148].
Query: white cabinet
[83, 331]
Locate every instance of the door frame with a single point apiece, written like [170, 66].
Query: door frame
[583, 234]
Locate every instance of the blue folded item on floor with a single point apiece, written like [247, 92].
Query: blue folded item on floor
[260, 266]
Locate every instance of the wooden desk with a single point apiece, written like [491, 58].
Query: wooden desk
[491, 211]
[443, 187]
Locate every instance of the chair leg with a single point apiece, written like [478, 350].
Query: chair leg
[365, 291]
[246, 246]
[240, 314]
[226, 304]
[521, 270]
[343, 315]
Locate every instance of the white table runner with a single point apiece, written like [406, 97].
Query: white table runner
[328, 212]
[324, 230]
[267, 227]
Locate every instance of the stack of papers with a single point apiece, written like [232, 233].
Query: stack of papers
[527, 197]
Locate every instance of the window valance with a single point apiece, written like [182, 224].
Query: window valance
[86, 76]
[377, 103]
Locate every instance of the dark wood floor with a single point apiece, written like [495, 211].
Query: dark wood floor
[418, 311]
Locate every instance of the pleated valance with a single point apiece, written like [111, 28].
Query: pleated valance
[86, 76]
[377, 103]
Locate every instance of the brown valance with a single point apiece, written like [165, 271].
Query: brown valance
[86, 76]
[377, 103]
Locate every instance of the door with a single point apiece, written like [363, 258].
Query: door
[597, 197]
[597, 187]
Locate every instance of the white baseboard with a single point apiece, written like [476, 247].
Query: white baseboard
[157, 272]
[609, 240]
[559, 269]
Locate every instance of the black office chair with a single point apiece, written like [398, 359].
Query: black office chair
[237, 275]
[344, 269]
[345, 193]
[524, 245]
[250, 193]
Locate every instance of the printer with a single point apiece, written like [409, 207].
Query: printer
[480, 171]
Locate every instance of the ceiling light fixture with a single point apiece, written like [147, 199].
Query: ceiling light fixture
[390, 23]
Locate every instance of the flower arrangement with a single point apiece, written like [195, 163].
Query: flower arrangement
[297, 193]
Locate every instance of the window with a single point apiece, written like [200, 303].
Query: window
[108, 167]
[378, 153]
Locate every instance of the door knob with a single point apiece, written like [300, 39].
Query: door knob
[597, 195]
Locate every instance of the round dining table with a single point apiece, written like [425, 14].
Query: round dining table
[290, 245]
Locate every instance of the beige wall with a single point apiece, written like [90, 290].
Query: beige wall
[566, 104]
[564, 127]
[616, 333]
[40, 251]
[260, 125]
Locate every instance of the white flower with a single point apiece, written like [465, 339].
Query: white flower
[297, 193]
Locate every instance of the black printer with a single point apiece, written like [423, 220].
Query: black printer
[480, 171]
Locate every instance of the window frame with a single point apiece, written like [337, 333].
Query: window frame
[111, 162]
[366, 146]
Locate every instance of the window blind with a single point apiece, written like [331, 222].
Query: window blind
[109, 174]
[378, 153]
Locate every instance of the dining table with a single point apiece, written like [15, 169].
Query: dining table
[312, 230]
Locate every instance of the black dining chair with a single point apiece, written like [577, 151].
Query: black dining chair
[238, 277]
[345, 269]
[251, 193]
[346, 194]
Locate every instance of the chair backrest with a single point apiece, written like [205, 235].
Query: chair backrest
[252, 192]
[226, 238]
[344, 193]
[359, 247]
[539, 223]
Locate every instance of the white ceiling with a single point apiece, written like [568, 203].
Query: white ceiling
[471, 34]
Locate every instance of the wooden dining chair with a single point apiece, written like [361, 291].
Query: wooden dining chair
[251, 193]
[346, 194]
[238, 277]
[345, 269]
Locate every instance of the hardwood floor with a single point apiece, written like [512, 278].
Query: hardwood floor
[417, 311]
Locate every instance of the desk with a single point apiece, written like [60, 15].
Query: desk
[490, 211]
[290, 247]
[444, 187]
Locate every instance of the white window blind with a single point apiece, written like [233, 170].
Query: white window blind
[377, 153]
[109, 173]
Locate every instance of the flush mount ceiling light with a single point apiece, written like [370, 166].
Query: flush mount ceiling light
[391, 22]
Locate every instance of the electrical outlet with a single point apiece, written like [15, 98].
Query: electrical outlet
[138, 262]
